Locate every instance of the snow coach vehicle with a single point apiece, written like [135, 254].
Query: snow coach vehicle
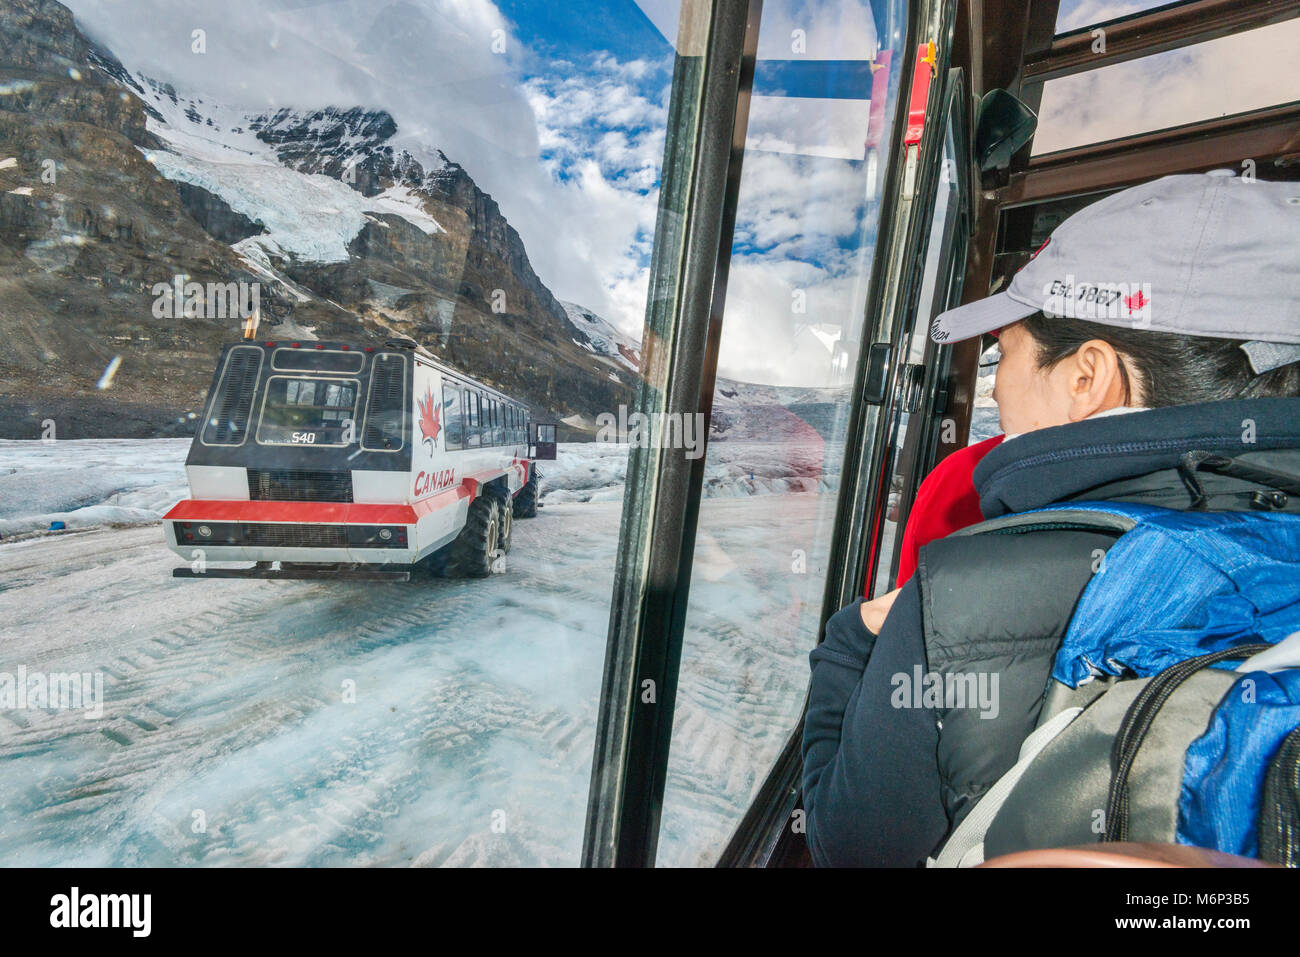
[324, 460]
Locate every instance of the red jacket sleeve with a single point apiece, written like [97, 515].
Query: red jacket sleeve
[945, 502]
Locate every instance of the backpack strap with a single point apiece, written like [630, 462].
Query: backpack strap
[965, 847]
[1138, 720]
[1102, 517]
[1274, 486]
[1279, 810]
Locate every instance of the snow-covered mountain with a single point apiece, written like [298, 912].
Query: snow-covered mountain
[310, 179]
[352, 228]
[600, 337]
[742, 411]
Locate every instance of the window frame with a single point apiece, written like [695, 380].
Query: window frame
[689, 266]
[454, 388]
[763, 837]
[265, 387]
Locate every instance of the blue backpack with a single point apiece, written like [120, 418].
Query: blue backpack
[1147, 733]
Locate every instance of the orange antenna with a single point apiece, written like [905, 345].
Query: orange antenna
[252, 322]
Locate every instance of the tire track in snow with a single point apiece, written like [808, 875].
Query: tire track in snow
[473, 699]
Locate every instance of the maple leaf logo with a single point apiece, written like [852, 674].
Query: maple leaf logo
[1135, 302]
[430, 413]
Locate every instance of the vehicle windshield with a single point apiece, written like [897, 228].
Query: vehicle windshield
[307, 411]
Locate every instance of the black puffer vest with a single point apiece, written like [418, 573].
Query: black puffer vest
[996, 603]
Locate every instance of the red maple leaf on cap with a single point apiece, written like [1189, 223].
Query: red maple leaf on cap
[430, 413]
[1135, 302]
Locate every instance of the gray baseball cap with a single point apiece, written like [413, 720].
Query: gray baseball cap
[1206, 254]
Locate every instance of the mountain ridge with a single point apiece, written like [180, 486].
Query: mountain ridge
[148, 187]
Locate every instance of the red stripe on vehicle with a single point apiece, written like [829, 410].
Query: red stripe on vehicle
[449, 496]
[323, 513]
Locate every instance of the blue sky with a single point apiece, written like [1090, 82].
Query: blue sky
[573, 29]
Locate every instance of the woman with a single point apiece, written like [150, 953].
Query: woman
[1103, 385]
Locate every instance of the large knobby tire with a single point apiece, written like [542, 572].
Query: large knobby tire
[525, 505]
[474, 550]
[505, 515]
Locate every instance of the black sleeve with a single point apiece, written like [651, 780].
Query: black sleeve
[870, 778]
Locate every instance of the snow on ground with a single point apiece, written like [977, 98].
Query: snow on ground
[313, 216]
[229, 734]
[228, 737]
[596, 472]
[984, 422]
[88, 482]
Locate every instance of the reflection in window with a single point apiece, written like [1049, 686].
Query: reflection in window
[355, 172]
[314, 411]
[805, 233]
[1078, 14]
[1233, 74]
[940, 278]
[455, 428]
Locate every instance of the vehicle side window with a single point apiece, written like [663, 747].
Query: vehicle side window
[451, 415]
[472, 435]
[496, 422]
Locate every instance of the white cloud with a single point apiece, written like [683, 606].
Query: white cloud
[765, 338]
[798, 264]
[1075, 14]
[809, 125]
[825, 29]
[1232, 74]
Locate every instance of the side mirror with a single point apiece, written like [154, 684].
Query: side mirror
[1003, 126]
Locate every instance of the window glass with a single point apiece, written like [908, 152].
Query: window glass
[325, 174]
[1078, 14]
[231, 405]
[307, 411]
[474, 428]
[1233, 74]
[451, 411]
[912, 446]
[807, 215]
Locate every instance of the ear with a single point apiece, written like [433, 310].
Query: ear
[1094, 381]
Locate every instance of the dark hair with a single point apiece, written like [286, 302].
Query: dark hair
[1171, 369]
